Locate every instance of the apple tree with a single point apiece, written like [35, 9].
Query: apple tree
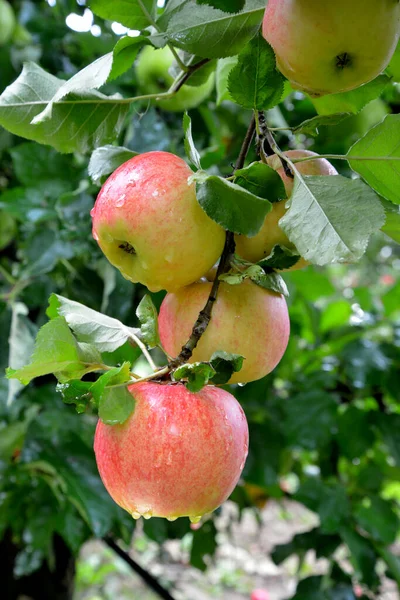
[199, 208]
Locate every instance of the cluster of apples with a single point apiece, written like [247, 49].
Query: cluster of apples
[182, 453]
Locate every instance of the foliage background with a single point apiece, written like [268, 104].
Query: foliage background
[324, 426]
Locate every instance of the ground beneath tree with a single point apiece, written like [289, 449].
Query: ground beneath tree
[242, 562]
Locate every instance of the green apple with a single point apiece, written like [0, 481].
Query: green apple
[178, 454]
[7, 22]
[331, 47]
[247, 320]
[258, 247]
[153, 77]
[149, 224]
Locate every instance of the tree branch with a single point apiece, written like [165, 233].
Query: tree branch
[204, 318]
[268, 145]
[187, 75]
[145, 575]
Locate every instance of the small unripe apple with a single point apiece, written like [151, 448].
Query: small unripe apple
[148, 223]
[152, 73]
[258, 247]
[331, 47]
[260, 595]
[7, 22]
[246, 320]
[179, 453]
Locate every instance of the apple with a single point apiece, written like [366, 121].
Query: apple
[331, 47]
[260, 595]
[258, 247]
[246, 320]
[7, 22]
[148, 223]
[153, 77]
[178, 454]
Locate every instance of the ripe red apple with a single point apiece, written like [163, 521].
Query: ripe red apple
[260, 595]
[258, 247]
[179, 453]
[331, 47]
[148, 223]
[246, 320]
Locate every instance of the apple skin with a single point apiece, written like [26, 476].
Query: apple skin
[260, 595]
[7, 22]
[258, 247]
[147, 207]
[153, 78]
[311, 39]
[246, 320]
[179, 453]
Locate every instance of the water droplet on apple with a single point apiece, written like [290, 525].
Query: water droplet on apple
[172, 519]
[92, 212]
[147, 515]
[136, 515]
[120, 201]
[195, 520]
[95, 236]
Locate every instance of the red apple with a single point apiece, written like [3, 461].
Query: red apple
[260, 595]
[246, 320]
[148, 223]
[179, 453]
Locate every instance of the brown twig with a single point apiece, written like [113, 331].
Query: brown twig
[188, 74]
[267, 143]
[205, 315]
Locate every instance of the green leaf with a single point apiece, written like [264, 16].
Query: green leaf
[392, 225]
[381, 150]
[337, 314]
[134, 14]
[116, 404]
[209, 32]
[310, 419]
[56, 351]
[352, 101]
[197, 375]
[311, 126]
[280, 258]
[355, 436]
[262, 181]
[106, 160]
[225, 365]
[330, 219]
[90, 326]
[269, 281]
[362, 556]
[124, 54]
[21, 344]
[389, 427]
[76, 392]
[76, 125]
[190, 148]
[231, 206]
[231, 6]
[147, 314]
[224, 67]
[328, 500]
[255, 82]
[377, 517]
[204, 544]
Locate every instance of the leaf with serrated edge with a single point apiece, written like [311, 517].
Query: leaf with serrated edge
[197, 375]
[146, 312]
[380, 148]
[76, 125]
[330, 219]
[254, 82]
[210, 32]
[106, 160]
[190, 148]
[230, 205]
[90, 326]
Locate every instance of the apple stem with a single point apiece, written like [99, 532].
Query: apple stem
[205, 315]
[183, 77]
